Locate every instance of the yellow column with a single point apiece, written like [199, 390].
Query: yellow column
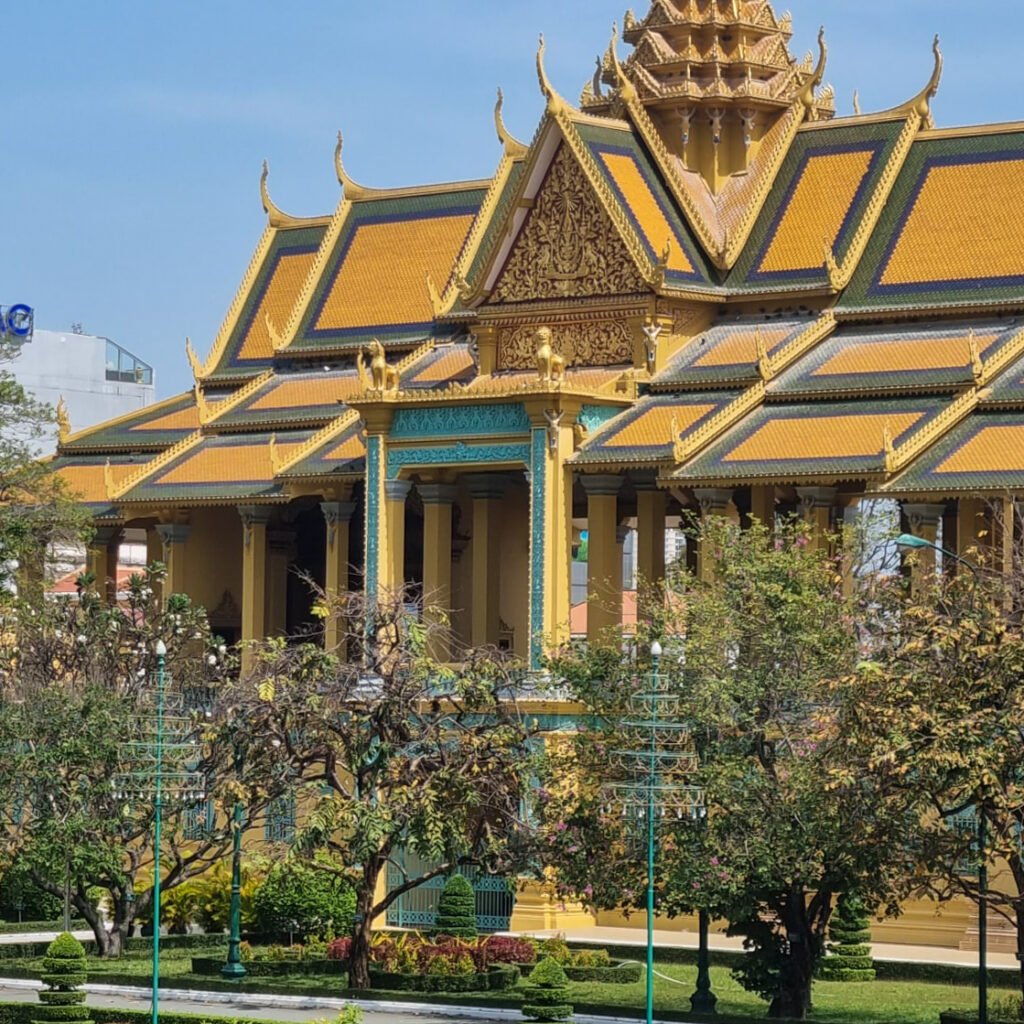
[923, 521]
[816, 505]
[714, 501]
[175, 549]
[338, 517]
[102, 560]
[604, 558]
[254, 574]
[650, 534]
[487, 491]
[437, 563]
[395, 493]
[762, 505]
[974, 531]
[280, 555]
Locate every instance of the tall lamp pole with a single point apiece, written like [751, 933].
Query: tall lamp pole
[656, 767]
[158, 803]
[908, 540]
[234, 969]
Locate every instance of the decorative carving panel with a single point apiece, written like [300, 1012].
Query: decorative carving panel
[583, 343]
[569, 246]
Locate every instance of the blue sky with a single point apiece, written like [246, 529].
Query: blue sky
[135, 131]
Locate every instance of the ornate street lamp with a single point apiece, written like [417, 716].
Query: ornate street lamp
[234, 969]
[172, 735]
[908, 540]
[656, 769]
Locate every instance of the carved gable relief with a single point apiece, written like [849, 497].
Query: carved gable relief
[587, 343]
[569, 247]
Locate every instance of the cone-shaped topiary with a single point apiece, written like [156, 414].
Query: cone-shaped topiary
[63, 973]
[849, 952]
[456, 910]
[546, 988]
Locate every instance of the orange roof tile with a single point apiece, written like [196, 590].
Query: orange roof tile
[925, 353]
[821, 437]
[740, 346]
[383, 279]
[88, 481]
[816, 211]
[352, 447]
[991, 449]
[654, 427]
[278, 300]
[283, 393]
[180, 419]
[452, 363]
[235, 463]
[966, 223]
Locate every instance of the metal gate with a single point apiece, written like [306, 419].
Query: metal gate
[417, 908]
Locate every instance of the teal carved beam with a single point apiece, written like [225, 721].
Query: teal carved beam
[459, 421]
[456, 455]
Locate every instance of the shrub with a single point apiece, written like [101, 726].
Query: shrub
[339, 949]
[506, 949]
[63, 973]
[849, 952]
[456, 910]
[556, 948]
[214, 891]
[546, 988]
[21, 898]
[295, 898]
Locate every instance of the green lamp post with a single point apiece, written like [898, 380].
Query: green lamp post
[158, 797]
[908, 540]
[655, 771]
[234, 969]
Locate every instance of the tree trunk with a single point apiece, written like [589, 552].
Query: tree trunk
[359, 957]
[793, 998]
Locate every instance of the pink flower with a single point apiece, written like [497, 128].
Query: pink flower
[561, 826]
[714, 862]
[588, 891]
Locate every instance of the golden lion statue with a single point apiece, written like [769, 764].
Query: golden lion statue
[382, 377]
[550, 364]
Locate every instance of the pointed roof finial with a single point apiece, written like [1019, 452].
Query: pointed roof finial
[190, 354]
[63, 420]
[108, 480]
[277, 463]
[555, 102]
[819, 72]
[627, 91]
[353, 190]
[922, 103]
[201, 403]
[977, 365]
[856, 102]
[513, 147]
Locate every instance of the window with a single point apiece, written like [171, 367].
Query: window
[280, 826]
[198, 820]
[122, 366]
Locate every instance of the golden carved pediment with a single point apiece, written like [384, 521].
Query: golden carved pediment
[580, 343]
[568, 247]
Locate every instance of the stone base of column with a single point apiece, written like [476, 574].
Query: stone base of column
[538, 909]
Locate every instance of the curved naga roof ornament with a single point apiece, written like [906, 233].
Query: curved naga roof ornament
[276, 217]
[514, 149]
[627, 91]
[807, 95]
[353, 190]
[555, 102]
[921, 104]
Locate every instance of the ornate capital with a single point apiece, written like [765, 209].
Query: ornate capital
[485, 486]
[712, 500]
[335, 513]
[397, 490]
[106, 536]
[173, 533]
[437, 494]
[924, 519]
[253, 516]
[601, 486]
[816, 497]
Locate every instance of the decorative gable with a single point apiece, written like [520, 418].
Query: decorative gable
[568, 246]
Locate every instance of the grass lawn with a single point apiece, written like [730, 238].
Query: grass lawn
[878, 1002]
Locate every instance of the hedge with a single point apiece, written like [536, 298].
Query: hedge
[210, 967]
[31, 950]
[16, 927]
[613, 974]
[21, 1013]
[497, 979]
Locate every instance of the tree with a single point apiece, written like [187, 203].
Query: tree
[35, 507]
[386, 750]
[76, 706]
[936, 709]
[297, 898]
[752, 655]
[456, 909]
[547, 993]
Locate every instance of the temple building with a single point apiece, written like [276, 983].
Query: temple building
[697, 290]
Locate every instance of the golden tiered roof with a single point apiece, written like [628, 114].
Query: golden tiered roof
[836, 298]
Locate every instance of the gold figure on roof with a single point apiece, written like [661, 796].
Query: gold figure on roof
[550, 364]
[63, 420]
[381, 377]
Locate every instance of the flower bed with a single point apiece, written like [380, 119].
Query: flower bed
[210, 967]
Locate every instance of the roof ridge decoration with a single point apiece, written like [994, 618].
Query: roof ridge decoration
[209, 414]
[64, 431]
[769, 367]
[167, 456]
[921, 104]
[276, 217]
[513, 148]
[125, 417]
[898, 458]
[230, 321]
[333, 429]
[1000, 360]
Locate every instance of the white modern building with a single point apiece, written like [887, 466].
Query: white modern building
[98, 379]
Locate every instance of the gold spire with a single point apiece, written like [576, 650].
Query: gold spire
[353, 190]
[514, 149]
[921, 104]
[63, 420]
[555, 102]
[193, 359]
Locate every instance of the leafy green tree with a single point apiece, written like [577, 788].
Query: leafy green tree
[935, 709]
[456, 909]
[388, 749]
[63, 975]
[297, 898]
[752, 656]
[849, 949]
[76, 706]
